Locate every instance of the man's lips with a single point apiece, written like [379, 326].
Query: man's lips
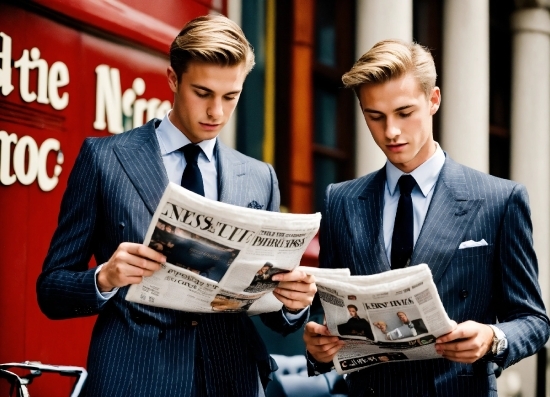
[209, 127]
[396, 147]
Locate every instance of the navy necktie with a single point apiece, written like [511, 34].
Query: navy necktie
[403, 229]
[192, 177]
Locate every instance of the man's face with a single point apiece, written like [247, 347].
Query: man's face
[403, 317]
[399, 117]
[352, 312]
[204, 98]
[381, 326]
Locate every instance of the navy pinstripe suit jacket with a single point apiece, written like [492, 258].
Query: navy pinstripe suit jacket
[139, 350]
[483, 284]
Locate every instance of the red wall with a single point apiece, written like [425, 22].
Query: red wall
[28, 215]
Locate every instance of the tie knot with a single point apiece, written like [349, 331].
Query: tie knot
[406, 184]
[191, 152]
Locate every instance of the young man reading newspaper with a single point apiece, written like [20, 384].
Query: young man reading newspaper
[473, 230]
[112, 193]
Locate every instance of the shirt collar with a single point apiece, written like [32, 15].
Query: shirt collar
[425, 175]
[171, 139]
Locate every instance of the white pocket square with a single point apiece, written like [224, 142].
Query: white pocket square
[472, 243]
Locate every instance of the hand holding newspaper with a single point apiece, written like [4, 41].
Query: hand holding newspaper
[395, 315]
[220, 257]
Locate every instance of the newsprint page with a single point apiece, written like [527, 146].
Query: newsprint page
[220, 257]
[395, 315]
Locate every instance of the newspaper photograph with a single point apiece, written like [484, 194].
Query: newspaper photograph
[220, 257]
[395, 315]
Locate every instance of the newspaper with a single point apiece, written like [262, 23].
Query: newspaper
[220, 257]
[391, 316]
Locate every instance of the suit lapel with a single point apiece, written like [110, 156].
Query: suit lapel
[231, 172]
[140, 158]
[364, 217]
[451, 212]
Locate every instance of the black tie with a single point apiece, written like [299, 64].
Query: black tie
[402, 240]
[192, 177]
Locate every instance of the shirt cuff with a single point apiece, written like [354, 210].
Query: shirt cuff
[104, 296]
[315, 367]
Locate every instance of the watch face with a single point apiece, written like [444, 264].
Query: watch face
[501, 345]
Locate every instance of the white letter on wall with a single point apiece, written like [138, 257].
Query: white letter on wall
[44, 181]
[108, 100]
[58, 77]
[25, 144]
[5, 158]
[5, 62]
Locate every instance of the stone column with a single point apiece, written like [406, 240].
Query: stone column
[530, 150]
[465, 82]
[530, 124]
[377, 20]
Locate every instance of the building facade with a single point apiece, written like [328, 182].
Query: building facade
[69, 70]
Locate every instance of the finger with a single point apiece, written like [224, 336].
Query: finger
[143, 251]
[297, 301]
[324, 343]
[144, 267]
[294, 286]
[133, 280]
[325, 356]
[295, 275]
[458, 333]
[467, 357]
[313, 328]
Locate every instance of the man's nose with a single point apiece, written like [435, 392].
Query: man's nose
[215, 108]
[392, 130]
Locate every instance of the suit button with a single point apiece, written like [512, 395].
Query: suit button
[369, 391]
[194, 323]
[463, 294]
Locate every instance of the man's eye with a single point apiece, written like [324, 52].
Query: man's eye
[404, 115]
[201, 94]
[230, 98]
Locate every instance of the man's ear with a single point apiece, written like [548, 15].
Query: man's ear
[172, 79]
[435, 100]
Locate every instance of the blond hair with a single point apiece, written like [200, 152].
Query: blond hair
[390, 59]
[211, 39]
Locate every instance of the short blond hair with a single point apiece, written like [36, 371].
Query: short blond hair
[390, 59]
[212, 39]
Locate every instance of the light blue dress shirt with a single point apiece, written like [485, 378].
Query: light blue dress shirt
[170, 140]
[426, 176]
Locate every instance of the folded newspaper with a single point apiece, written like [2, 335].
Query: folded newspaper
[391, 316]
[220, 257]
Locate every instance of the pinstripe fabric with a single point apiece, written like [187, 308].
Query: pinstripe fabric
[483, 284]
[139, 350]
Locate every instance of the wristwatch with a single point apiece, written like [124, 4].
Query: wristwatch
[500, 343]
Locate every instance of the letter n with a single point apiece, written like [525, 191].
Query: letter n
[108, 100]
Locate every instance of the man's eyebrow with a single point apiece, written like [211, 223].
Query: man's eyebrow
[399, 109]
[367, 110]
[203, 88]
[200, 87]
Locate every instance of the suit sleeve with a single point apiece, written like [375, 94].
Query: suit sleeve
[66, 287]
[275, 202]
[520, 308]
